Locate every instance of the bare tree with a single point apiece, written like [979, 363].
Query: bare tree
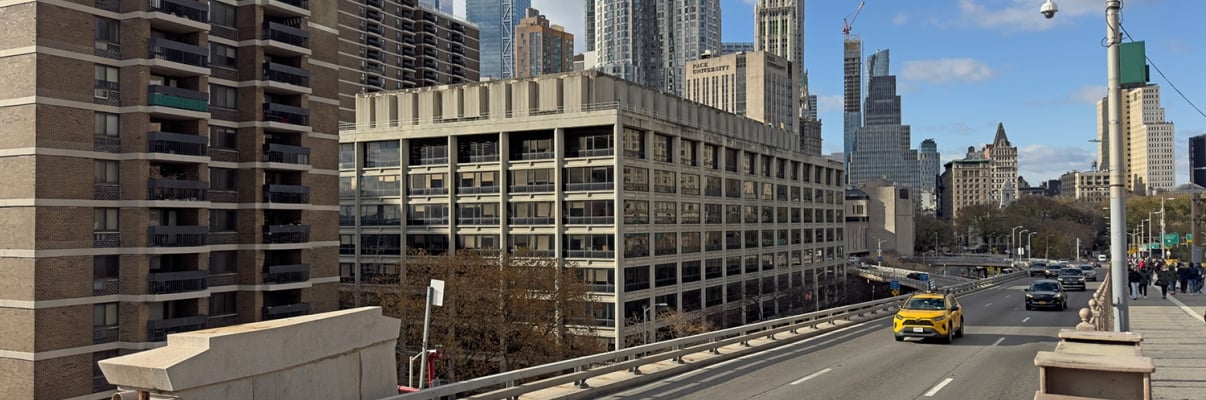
[500, 312]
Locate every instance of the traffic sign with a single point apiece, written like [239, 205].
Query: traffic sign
[896, 292]
[881, 259]
[894, 284]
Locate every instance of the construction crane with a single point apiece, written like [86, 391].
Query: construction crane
[847, 25]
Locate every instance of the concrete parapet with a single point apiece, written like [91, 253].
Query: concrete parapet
[1095, 365]
[312, 356]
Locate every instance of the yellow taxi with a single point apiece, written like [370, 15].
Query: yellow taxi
[929, 315]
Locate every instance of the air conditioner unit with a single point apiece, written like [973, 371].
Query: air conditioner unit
[101, 94]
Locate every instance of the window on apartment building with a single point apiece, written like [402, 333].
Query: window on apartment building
[107, 78]
[634, 143]
[222, 137]
[690, 213]
[104, 315]
[222, 14]
[665, 212]
[381, 154]
[223, 178]
[104, 269]
[223, 56]
[107, 31]
[711, 156]
[105, 220]
[223, 221]
[662, 148]
[477, 180]
[636, 179]
[223, 97]
[223, 304]
[664, 182]
[105, 172]
[107, 124]
[687, 154]
[636, 212]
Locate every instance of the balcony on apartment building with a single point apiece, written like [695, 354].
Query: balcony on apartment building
[276, 112]
[174, 97]
[177, 189]
[106, 191]
[302, 4]
[374, 3]
[286, 311]
[277, 72]
[177, 235]
[105, 334]
[177, 143]
[177, 282]
[373, 15]
[157, 330]
[286, 154]
[282, 234]
[190, 9]
[429, 17]
[290, 35]
[374, 41]
[290, 194]
[286, 273]
[222, 279]
[178, 52]
[374, 29]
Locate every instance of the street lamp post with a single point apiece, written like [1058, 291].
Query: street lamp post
[1163, 250]
[1029, 254]
[1144, 234]
[1013, 247]
[646, 313]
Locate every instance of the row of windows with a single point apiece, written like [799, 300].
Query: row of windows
[587, 212]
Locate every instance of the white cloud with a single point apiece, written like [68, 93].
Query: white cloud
[1018, 15]
[1040, 162]
[829, 103]
[947, 70]
[900, 19]
[1088, 94]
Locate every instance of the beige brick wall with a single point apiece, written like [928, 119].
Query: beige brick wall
[17, 73]
[133, 275]
[18, 282]
[63, 377]
[19, 176]
[65, 177]
[18, 381]
[15, 22]
[60, 124]
[62, 227]
[324, 261]
[324, 225]
[18, 232]
[19, 125]
[64, 277]
[324, 189]
[15, 332]
[132, 319]
[322, 297]
[324, 153]
[63, 327]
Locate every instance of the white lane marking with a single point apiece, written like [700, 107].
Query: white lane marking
[813, 375]
[938, 387]
[1025, 319]
[987, 304]
[1185, 308]
[999, 341]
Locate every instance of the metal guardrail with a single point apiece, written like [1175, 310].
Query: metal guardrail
[587, 367]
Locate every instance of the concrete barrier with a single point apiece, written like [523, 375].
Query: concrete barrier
[1095, 365]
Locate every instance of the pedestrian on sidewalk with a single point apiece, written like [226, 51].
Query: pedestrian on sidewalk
[1195, 278]
[1183, 278]
[1134, 278]
[1164, 278]
[1145, 280]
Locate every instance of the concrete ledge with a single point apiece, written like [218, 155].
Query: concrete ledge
[1094, 376]
[308, 356]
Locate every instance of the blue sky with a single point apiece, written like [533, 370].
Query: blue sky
[965, 65]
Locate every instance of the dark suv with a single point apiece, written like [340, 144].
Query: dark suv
[1046, 293]
[1072, 278]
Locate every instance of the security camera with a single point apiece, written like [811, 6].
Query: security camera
[1049, 9]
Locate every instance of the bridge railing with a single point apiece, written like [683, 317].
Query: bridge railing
[1099, 315]
[515, 383]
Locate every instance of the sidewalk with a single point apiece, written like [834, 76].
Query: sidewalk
[1174, 336]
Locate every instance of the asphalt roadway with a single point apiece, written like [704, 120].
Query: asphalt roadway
[994, 360]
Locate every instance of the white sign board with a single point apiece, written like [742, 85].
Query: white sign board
[437, 295]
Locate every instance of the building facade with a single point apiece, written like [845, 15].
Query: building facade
[443, 6]
[653, 198]
[389, 46]
[779, 30]
[1148, 140]
[1197, 160]
[623, 39]
[964, 183]
[541, 48]
[1087, 186]
[930, 168]
[496, 21]
[880, 218]
[756, 85]
[690, 29]
[1004, 157]
[881, 145]
[736, 47]
[852, 95]
[211, 130]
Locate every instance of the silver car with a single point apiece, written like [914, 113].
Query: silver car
[1089, 271]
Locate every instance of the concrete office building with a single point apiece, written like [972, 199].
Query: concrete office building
[496, 20]
[1088, 186]
[689, 29]
[211, 130]
[654, 198]
[623, 39]
[779, 30]
[1197, 160]
[964, 183]
[1148, 140]
[541, 48]
[879, 218]
[756, 85]
[388, 46]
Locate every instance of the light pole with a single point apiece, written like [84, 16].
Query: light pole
[879, 251]
[1020, 233]
[646, 312]
[1013, 247]
[1144, 234]
[1163, 250]
[1029, 255]
[1150, 233]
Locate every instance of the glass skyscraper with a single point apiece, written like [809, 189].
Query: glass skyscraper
[444, 6]
[496, 20]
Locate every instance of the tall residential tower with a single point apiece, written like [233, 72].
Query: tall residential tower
[689, 29]
[625, 40]
[496, 21]
[541, 48]
[1148, 140]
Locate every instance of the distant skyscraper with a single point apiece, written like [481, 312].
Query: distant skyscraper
[929, 168]
[688, 28]
[877, 64]
[496, 21]
[1147, 137]
[736, 47]
[881, 146]
[625, 39]
[852, 102]
[1004, 158]
[810, 125]
[1197, 160]
[779, 30]
[541, 48]
[444, 6]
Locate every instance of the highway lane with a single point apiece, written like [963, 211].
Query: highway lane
[994, 360]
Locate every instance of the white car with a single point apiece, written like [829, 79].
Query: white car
[1089, 271]
[1102, 258]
